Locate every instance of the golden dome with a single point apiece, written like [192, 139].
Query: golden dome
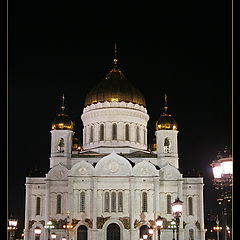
[115, 88]
[166, 121]
[62, 121]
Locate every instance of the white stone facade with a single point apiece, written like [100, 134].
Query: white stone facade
[115, 183]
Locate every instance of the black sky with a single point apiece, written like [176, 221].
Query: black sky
[183, 49]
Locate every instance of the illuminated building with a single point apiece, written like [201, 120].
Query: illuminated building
[114, 188]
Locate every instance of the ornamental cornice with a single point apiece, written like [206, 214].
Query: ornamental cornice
[108, 105]
[118, 113]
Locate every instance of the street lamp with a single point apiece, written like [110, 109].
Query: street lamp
[67, 226]
[172, 226]
[222, 172]
[37, 232]
[159, 224]
[12, 226]
[177, 206]
[49, 226]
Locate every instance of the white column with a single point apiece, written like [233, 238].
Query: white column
[132, 207]
[108, 131]
[27, 207]
[156, 197]
[201, 211]
[94, 208]
[47, 200]
[120, 132]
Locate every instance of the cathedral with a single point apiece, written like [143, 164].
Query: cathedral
[113, 186]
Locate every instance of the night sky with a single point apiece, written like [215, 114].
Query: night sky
[182, 49]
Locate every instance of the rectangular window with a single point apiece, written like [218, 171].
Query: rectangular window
[144, 202]
[114, 131]
[82, 202]
[169, 208]
[106, 202]
[190, 206]
[101, 135]
[113, 202]
[120, 202]
[38, 205]
[59, 204]
[127, 132]
[91, 134]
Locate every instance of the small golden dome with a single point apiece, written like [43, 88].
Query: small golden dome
[166, 121]
[62, 121]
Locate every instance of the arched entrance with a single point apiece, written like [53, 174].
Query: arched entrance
[82, 232]
[113, 232]
[143, 230]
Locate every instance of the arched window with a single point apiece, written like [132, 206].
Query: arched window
[82, 202]
[113, 202]
[60, 147]
[144, 230]
[191, 234]
[113, 232]
[38, 205]
[137, 135]
[59, 204]
[127, 132]
[169, 208]
[166, 145]
[120, 202]
[101, 134]
[114, 131]
[91, 134]
[106, 202]
[190, 206]
[144, 202]
[82, 233]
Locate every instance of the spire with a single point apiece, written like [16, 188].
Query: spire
[115, 55]
[63, 106]
[165, 106]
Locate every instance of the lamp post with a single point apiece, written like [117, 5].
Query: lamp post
[37, 232]
[68, 226]
[217, 222]
[12, 226]
[222, 172]
[177, 213]
[159, 224]
[49, 226]
[173, 227]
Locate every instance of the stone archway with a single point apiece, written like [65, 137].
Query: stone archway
[113, 232]
[82, 233]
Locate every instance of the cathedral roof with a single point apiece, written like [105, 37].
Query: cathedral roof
[115, 88]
